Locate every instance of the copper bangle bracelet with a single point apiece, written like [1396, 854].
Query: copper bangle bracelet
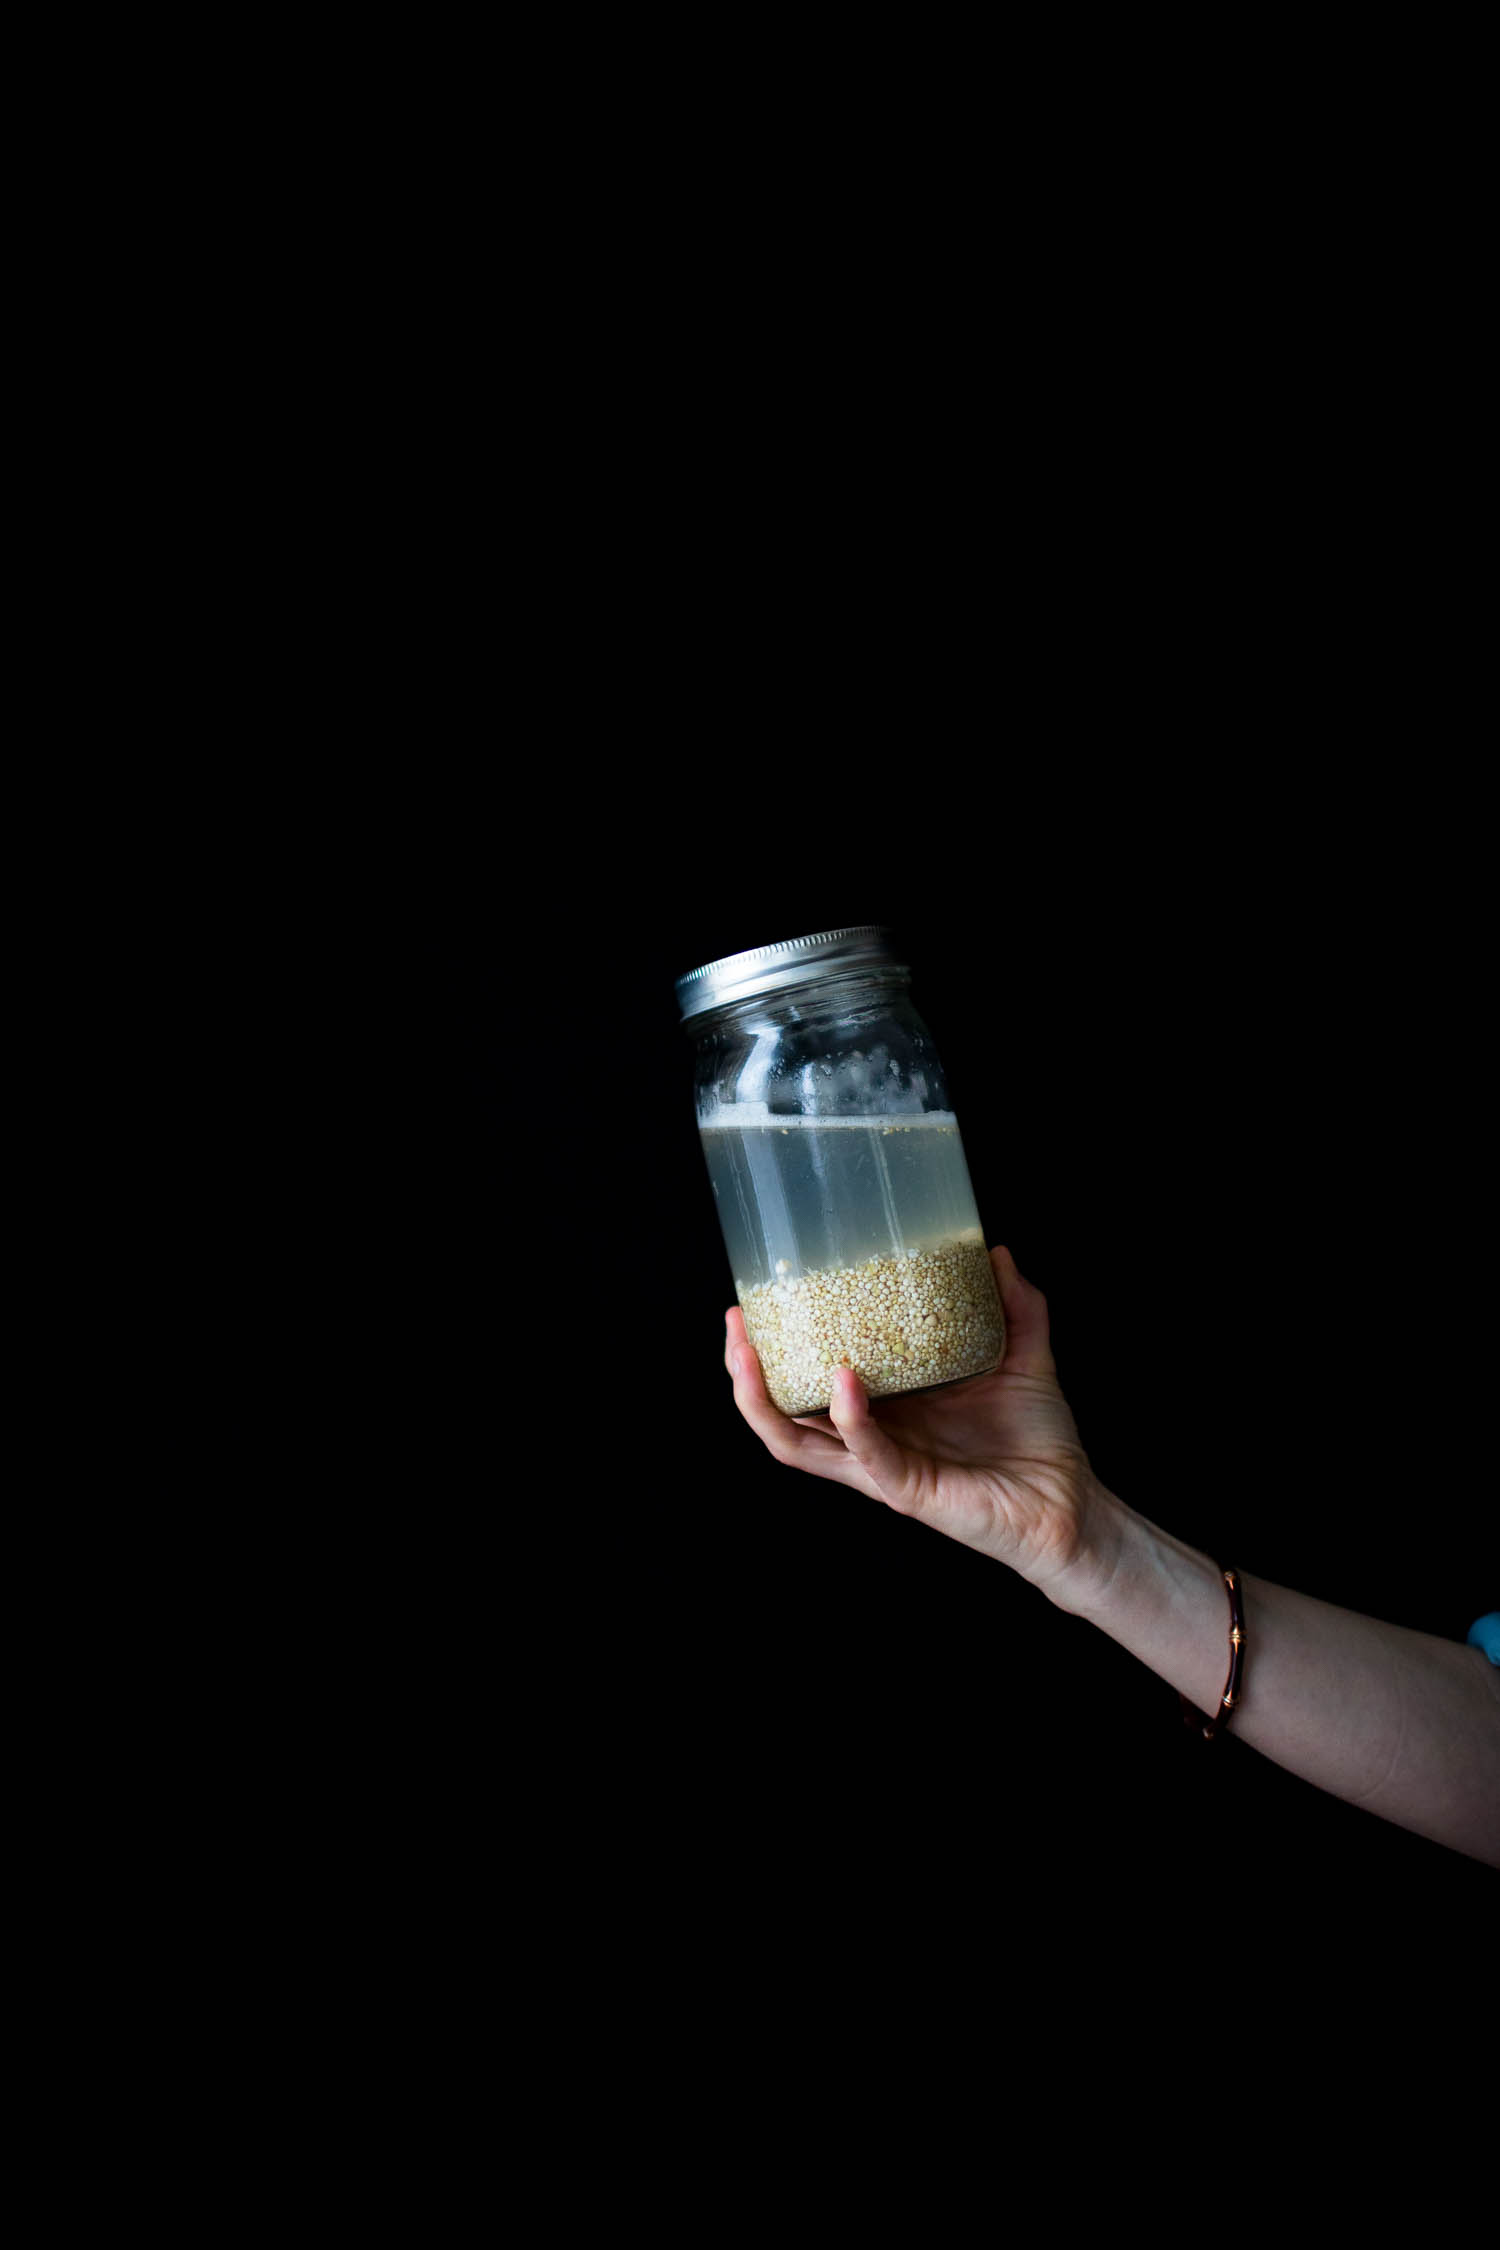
[1229, 1700]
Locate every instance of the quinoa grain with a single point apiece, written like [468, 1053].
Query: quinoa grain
[901, 1322]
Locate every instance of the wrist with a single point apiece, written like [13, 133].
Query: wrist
[1156, 1596]
[1104, 1522]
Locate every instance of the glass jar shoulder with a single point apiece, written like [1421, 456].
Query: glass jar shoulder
[860, 1056]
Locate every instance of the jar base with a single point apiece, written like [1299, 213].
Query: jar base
[918, 1390]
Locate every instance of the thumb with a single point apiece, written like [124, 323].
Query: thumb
[1028, 1334]
[902, 1479]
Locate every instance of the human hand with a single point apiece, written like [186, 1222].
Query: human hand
[994, 1462]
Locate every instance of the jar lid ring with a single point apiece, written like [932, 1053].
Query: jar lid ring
[772, 968]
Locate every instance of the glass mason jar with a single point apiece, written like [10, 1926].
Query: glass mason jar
[838, 1171]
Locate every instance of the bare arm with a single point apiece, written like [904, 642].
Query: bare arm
[1401, 1723]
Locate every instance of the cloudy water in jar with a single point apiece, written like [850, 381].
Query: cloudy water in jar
[800, 1193]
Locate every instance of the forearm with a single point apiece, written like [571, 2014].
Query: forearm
[1403, 1724]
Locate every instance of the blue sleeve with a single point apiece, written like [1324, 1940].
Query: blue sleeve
[1485, 1633]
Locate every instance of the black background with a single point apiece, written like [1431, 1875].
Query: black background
[1211, 1022]
[1132, 679]
[1086, 585]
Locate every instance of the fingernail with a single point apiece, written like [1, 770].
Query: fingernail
[737, 1362]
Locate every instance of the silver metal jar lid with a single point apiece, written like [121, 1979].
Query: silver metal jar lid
[771, 968]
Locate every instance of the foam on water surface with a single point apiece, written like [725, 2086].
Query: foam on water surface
[747, 1117]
